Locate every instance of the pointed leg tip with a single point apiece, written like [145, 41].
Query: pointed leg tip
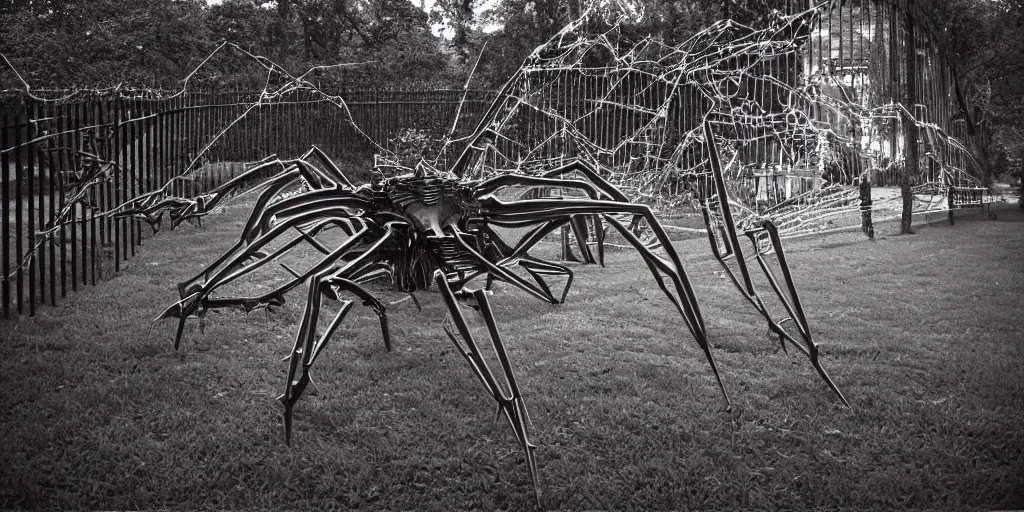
[845, 402]
[288, 431]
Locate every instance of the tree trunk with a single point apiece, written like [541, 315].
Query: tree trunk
[910, 140]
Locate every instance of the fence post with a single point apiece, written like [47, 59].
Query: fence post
[866, 224]
[910, 166]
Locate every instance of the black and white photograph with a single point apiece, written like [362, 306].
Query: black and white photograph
[512, 255]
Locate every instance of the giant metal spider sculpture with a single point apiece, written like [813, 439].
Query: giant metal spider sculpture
[428, 226]
[421, 228]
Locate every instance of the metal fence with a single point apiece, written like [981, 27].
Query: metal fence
[119, 145]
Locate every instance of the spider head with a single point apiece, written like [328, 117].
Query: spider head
[429, 199]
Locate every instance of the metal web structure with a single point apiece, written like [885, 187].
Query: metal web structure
[807, 108]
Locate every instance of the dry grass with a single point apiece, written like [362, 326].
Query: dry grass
[921, 332]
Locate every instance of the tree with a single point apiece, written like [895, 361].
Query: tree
[458, 16]
[984, 43]
[63, 43]
[243, 22]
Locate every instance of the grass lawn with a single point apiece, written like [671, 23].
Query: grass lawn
[922, 333]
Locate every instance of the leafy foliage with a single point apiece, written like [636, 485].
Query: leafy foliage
[103, 42]
[985, 41]
[412, 145]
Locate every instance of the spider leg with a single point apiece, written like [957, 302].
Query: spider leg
[258, 222]
[595, 188]
[500, 272]
[540, 210]
[497, 183]
[339, 177]
[507, 394]
[302, 352]
[277, 184]
[236, 266]
[307, 347]
[607, 189]
[538, 267]
[151, 206]
[578, 224]
[252, 242]
[793, 307]
[197, 297]
[727, 249]
[368, 300]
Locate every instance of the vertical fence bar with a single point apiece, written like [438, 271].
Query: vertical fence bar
[89, 235]
[39, 133]
[214, 115]
[117, 176]
[231, 149]
[134, 174]
[164, 142]
[64, 163]
[243, 129]
[93, 126]
[76, 168]
[174, 169]
[5, 221]
[271, 124]
[50, 113]
[19, 181]
[143, 167]
[107, 152]
[260, 146]
[127, 228]
[169, 152]
[292, 126]
[181, 144]
[30, 190]
[196, 138]
[188, 137]
[241, 142]
[190, 152]
[201, 136]
[181, 163]
[147, 153]
[228, 151]
[157, 109]
[172, 145]
[250, 128]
